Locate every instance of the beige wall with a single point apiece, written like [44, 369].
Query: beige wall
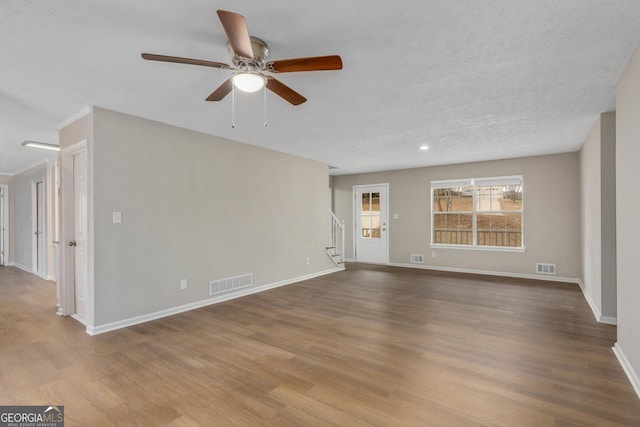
[628, 207]
[608, 215]
[194, 207]
[77, 131]
[551, 214]
[8, 180]
[597, 212]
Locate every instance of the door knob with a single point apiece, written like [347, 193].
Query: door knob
[72, 243]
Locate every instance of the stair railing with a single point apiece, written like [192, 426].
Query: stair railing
[335, 249]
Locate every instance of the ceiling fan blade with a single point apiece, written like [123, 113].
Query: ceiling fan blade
[222, 91]
[284, 91]
[314, 63]
[165, 58]
[235, 27]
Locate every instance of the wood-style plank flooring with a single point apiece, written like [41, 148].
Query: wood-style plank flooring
[367, 346]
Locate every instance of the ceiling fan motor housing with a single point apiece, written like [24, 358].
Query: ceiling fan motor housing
[260, 53]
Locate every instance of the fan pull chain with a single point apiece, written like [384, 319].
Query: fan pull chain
[233, 106]
[264, 90]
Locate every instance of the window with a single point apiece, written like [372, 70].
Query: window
[477, 212]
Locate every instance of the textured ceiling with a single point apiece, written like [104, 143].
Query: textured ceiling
[474, 80]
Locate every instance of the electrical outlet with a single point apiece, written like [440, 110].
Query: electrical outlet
[308, 260]
[183, 284]
[433, 254]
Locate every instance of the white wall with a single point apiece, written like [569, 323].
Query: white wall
[551, 214]
[194, 207]
[597, 214]
[628, 225]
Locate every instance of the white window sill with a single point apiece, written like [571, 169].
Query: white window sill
[480, 248]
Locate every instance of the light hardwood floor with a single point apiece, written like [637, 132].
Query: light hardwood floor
[368, 346]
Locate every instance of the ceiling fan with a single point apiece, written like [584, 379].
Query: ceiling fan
[250, 66]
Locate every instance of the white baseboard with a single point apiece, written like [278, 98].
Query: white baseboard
[488, 272]
[628, 369]
[29, 270]
[95, 330]
[592, 305]
[596, 312]
[79, 319]
[22, 267]
[608, 320]
[594, 308]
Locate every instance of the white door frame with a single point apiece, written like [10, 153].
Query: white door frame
[52, 218]
[5, 225]
[37, 249]
[355, 212]
[67, 269]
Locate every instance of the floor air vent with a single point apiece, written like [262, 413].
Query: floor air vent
[417, 259]
[230, 284]
[543, 268]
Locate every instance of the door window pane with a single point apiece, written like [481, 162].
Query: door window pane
[375, 225]
[370, 216]
[366, 202]
[375, 202]
[366, 225]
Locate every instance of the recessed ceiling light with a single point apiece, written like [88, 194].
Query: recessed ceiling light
[43, 145]
[424, 147]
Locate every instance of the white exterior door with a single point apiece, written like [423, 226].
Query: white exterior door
[79, 242]
[371, 223]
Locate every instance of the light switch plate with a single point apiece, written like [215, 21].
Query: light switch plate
[117, 217]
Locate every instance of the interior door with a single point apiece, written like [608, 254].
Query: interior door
[371, 223]
[79, 242]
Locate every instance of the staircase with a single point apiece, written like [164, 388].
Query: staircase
[335, 249]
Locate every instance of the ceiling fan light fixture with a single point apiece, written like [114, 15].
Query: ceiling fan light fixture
[248, 82]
